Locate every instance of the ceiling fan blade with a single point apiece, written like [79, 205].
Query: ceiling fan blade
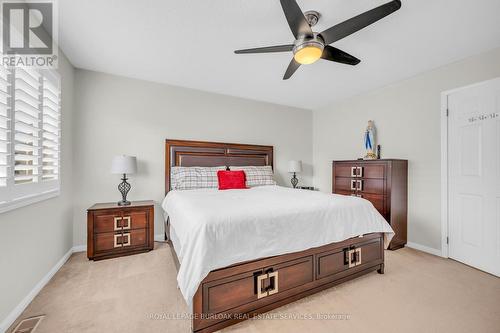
[292, 67]
[359, 22]
[296, 19]
[333, 54]
[267, 49]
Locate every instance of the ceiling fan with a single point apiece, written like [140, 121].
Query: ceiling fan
[309, 46]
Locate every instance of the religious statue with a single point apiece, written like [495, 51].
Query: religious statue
[370, 141]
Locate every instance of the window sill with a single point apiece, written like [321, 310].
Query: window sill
[11, 205]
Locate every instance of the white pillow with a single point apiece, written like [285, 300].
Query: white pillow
[256, 175]
[188, 178]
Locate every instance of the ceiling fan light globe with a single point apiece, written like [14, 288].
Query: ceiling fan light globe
[308, 54]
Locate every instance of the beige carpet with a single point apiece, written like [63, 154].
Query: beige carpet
[418, 293]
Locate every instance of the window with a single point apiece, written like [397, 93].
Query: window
[30, 135]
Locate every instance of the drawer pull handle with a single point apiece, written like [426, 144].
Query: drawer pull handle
[353, 185]
[116, 243]
[273, 284]
[117, 225]
[260, 292]
[359, 171]
[353, 171]
[126, 226]
[354, 257]
[127, 243]
[273, 278]
[360, 185]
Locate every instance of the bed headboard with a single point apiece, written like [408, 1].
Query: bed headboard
[200, 153]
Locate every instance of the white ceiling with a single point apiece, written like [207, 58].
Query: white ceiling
[190, 43]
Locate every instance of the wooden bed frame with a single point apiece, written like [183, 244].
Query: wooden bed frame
[243, 290]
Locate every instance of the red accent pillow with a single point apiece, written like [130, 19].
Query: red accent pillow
[231, 179]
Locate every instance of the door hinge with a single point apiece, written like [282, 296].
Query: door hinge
[447, 112]
[447, 240]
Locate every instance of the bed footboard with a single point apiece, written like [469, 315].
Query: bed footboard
[239, 292]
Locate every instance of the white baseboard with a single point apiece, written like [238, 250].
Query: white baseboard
[424, 248]
[79, 248]
[159, 238]
[11, 318]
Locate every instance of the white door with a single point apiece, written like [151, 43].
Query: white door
[474, 176]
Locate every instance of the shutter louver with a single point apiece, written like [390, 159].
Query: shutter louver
[30, 136]
[5, 126]
[27, 126]
[51, 130]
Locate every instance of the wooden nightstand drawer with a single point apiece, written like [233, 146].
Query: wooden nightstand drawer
[120, 241]
[134, 220]
[105, 222]
[119, 220]
[114, 230]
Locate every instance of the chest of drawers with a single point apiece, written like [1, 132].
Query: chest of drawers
[114, 231]
[382, 182]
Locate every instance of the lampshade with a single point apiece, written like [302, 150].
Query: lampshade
[295, 166]
[124, 164]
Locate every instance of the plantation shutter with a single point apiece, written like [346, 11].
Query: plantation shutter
[51, 129]
[30, 136]
[5, 132]
[27, 127]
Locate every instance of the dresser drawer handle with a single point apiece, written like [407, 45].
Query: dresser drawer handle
[127, 235]
[353, 184]
[359, 171]
[360, 185]
[117, 225]
[116, 244]
[126, 226]
[353, 171]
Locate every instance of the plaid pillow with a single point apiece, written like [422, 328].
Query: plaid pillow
[188, 178]
[256, 175]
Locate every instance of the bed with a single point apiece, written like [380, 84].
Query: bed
[240, 253]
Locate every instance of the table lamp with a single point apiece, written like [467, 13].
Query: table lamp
[294, 167]
[124, 165]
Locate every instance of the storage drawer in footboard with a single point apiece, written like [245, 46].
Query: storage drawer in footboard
[238, 292]
[231, 296]
[249, 288]
[350, 258]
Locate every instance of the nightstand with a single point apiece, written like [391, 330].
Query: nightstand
[115, 231]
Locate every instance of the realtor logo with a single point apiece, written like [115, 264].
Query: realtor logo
[28, 31]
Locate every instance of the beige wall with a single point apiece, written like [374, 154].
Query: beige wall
[34, 238]
[116, 115]
[407, 118]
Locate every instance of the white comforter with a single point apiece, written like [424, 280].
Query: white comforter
[220, 228]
